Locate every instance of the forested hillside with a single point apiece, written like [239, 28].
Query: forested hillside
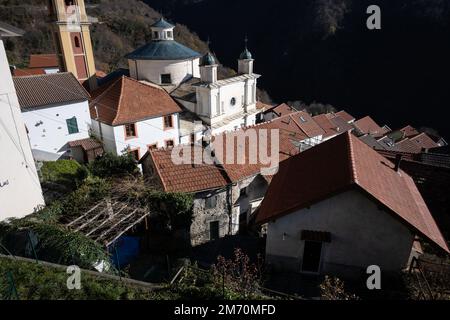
[321, 50]
[122, 27]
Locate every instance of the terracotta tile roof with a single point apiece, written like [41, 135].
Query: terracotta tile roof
[368, 125]
[345, 115]
[193, 180]
[86, 144]
[49, 89]
[406, 145]
[307, 124]
[409, 131]
[262, 106]
[27, 72]
[43, 61]
[289, 135]
[354, 164]
[424, 141]
[187, 177]
[339, 122]
[330, 127]
[125, 100]
[281, 109]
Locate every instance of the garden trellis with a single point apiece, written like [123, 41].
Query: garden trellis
[108, 220]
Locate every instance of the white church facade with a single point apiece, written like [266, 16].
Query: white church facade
[192, 80]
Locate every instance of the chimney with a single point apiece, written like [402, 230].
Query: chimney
[398, 160]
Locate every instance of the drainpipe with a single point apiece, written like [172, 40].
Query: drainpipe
[230, 208]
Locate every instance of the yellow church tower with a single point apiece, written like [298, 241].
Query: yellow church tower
[73, 39]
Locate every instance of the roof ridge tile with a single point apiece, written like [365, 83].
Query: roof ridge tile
[352, 162]
[122, 85]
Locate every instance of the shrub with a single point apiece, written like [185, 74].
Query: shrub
[34, 281]
[52, 243]
[332, 288]
[109, 164]
[91, 191]
[237, 276]
[66, 172]
[172, 210]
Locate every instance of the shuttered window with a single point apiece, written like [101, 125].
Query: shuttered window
[72, 125]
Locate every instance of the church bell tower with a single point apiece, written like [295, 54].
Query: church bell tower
[73, 40]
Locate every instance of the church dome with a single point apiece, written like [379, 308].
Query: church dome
[162, 24]
[163, 50]
[208, 60]
[245, 55]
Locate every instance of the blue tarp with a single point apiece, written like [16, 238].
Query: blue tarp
[124, 249]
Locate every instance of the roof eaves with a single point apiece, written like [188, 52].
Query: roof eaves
[160, 177]
[351, 155]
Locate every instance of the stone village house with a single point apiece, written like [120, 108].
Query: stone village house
[227, 194]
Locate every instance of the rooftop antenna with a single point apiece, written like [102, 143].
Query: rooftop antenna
[246, 41]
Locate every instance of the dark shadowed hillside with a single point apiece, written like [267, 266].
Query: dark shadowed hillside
[321, 50]
[123, 26]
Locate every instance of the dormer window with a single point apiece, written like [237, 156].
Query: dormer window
[302, 119]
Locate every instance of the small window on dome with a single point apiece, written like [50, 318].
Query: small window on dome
[233, 101]
[166, 78]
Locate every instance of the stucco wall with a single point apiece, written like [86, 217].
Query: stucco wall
[107, 136]
[149, 132]
[151, 70]
[361, 235]
[216, 103]
[47, 127]
[20, 191]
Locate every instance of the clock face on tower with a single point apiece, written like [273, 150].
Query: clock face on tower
[233, 101]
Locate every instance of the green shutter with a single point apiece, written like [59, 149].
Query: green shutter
[72, 125]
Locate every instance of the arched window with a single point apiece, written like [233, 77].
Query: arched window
[77, 42]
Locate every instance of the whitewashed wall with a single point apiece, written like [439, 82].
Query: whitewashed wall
[151, 70]
[149, 132]
[53, 135]
[215, 104]
[20, 191]
[362, 234]
[106, 134]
